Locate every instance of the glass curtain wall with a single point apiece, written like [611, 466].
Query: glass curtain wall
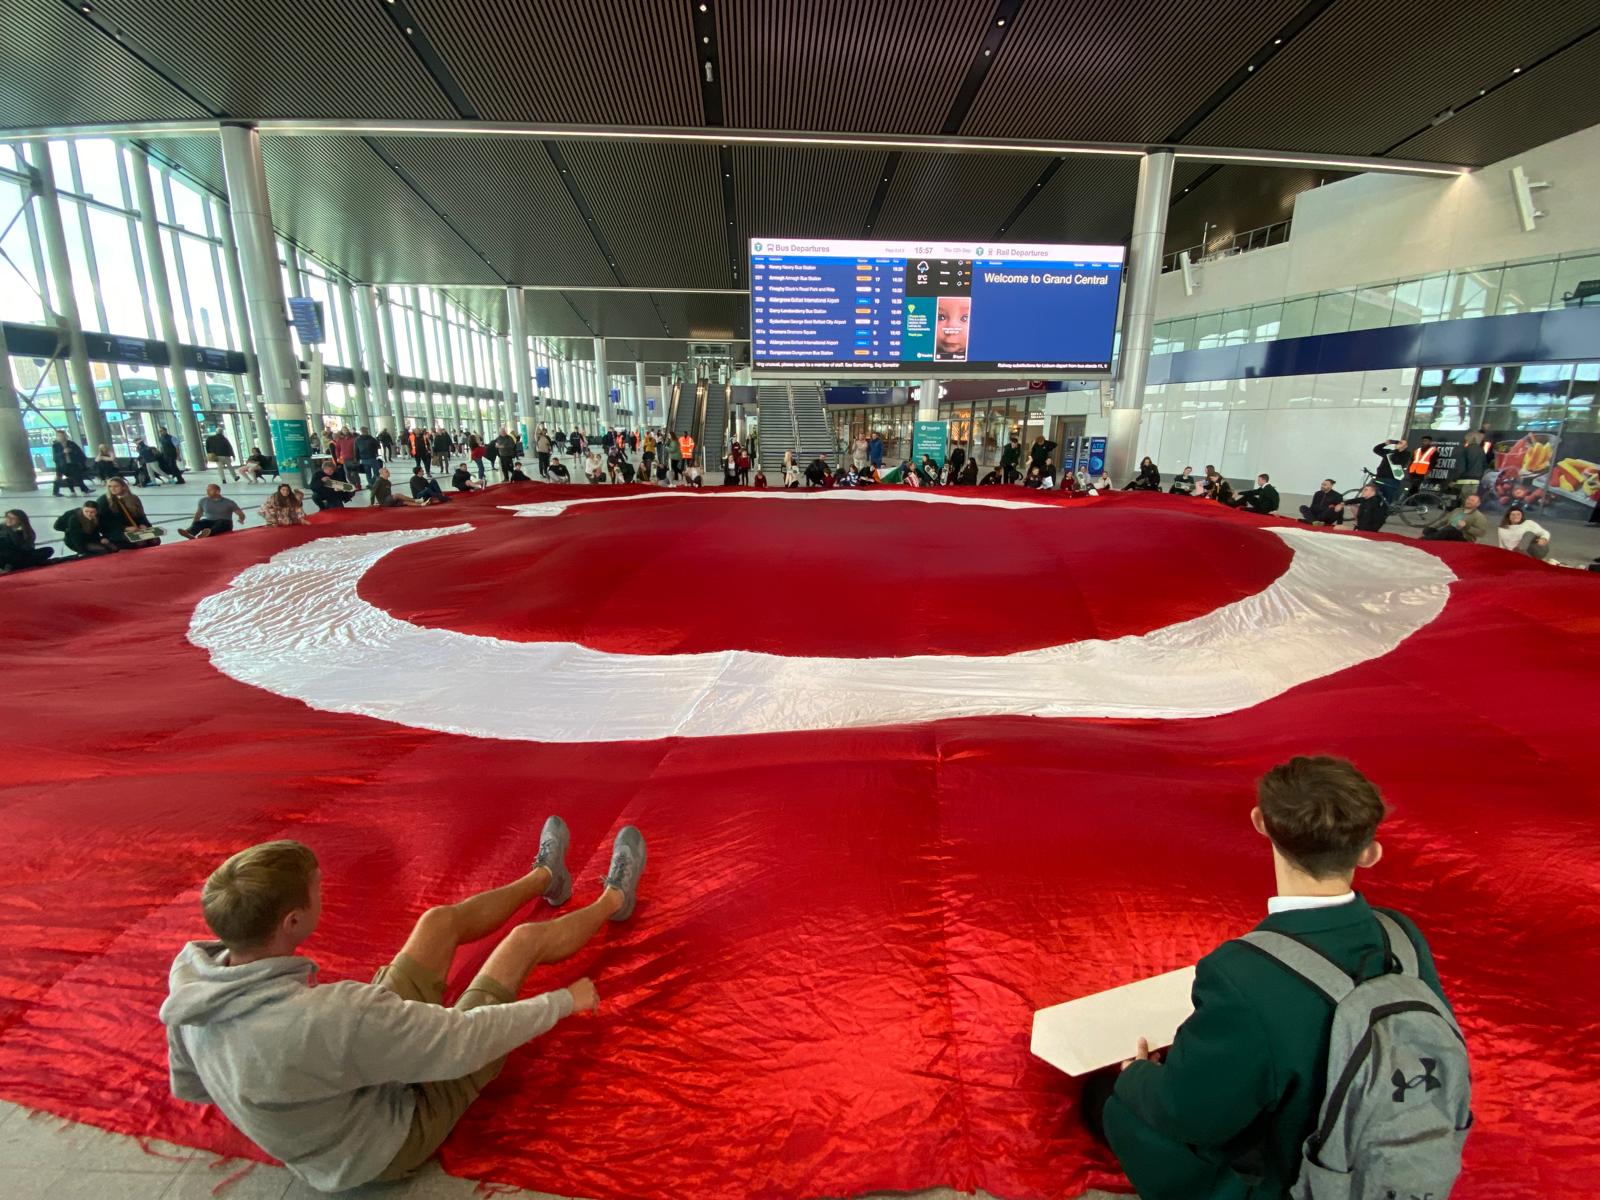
[97, 191]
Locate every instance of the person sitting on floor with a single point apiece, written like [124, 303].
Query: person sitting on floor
[1222, 490]
[286, 506]
[80, 530]
[816, 471]
[383, 494]
[1147, 480]
[1262, 499]
[351, 1083]
[425, 488]
[693, 476]
[122, 518]
[329, 488]
[254, 465]
[1326, 507]
[760, 480]
[928, 472]
[1522, 536]
[1229, 1110]
[105, 464]
[18, 545]
[214, 514]
[593, 469]
[558, 472]
[968, 476]
[461, 480]
[1464, 524]
[1183, 485]
[1371, 510]
[992, 479]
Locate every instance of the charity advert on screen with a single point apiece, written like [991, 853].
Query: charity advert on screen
[830, 307]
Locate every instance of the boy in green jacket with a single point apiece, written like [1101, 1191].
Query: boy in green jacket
[1224, 1117]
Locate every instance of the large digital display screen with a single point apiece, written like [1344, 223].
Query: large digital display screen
[938, 308]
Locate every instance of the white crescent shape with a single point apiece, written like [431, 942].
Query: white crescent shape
[296, 626]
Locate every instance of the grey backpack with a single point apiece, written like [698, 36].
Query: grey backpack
[1398, 1103]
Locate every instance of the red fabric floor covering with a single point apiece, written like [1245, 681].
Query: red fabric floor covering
[828, 983]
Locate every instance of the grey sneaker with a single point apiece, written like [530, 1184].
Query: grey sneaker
[627, 864]
[553, 843]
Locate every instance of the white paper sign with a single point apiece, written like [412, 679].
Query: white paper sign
[1097, 1031]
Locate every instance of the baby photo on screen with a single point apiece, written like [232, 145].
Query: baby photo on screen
[950, 342]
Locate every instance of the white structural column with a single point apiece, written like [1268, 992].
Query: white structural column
[508, 387]
[251, 216]
[517, 306]
[1143, 277]
[95, 430]
[602, 385]
[16, 463]
[638, 393]
[347, 315]
[155, 257]
[421, 343]
[230, 261]
[928, 400]
[663, 402]
[378, 400]
[391, 351]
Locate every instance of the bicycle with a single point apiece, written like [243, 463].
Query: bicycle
[1415, 509]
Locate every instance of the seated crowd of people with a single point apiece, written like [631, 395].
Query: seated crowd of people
[357, 461]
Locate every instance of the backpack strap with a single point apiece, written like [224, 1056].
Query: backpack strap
[1401, 948]
[1305, 961]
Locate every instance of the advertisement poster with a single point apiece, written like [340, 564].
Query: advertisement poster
[929, 437]
[1523, 463]
[290, 443]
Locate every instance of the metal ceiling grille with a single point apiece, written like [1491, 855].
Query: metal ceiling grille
[283, 58]
[336, 198]
[803, 193]
[1087, 200]
[510, 201]
[572, 61]
[845, 64]
[550, 315]
[956, 196]
[1112, 71]
[1538, 106]
[56, 69]
[1372, 72]
[661, 208]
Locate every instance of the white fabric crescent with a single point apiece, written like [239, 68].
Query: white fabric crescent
[296, 626]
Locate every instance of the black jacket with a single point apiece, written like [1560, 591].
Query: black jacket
[218, 444]
[1324, 506]
[1371, 513]
[68, 457]
[1388, 459]
[1183, 485]
[1147, 480]
[442, 443]
[366, 446]
[1263, 499]
[1039, 452]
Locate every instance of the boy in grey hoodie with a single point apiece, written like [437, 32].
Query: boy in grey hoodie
[353, 1082]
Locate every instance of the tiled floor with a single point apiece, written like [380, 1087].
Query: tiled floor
[43, 1158]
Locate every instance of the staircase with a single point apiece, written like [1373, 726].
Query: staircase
[812, 424]
[775, 430]
[714, 437]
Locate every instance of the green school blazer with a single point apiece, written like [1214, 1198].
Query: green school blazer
[1226, 1115]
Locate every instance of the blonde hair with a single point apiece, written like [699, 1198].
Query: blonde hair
[247, 896]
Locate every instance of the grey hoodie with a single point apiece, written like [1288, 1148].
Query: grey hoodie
[318, 1076]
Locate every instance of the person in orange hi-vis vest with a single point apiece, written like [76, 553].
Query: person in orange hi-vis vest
[1421, 464]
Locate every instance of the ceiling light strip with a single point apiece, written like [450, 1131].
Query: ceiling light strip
[298, 127]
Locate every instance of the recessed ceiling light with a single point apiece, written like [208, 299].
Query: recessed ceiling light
[986, 53]
[702, 8]
[1483, 91]
[408, 31]
[705, 41]
[1516, 70]
[1252, 66]
[1277, 41]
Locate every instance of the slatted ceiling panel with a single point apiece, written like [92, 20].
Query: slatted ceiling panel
[1108, 70]
[57, 69]
[283, 58]
[703, 316]
[1383, 70]
[550, 315]
[1087, 200]
[660, 208]
[200, 157]
[596, 62]
[618, 314]
[786, 191]
[1546, 102]
[854, 65]
[955, 196]
[340, 201]
[508, 199]
[487, 306]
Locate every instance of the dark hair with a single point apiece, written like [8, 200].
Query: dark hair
[1515, 508]
[1320, 813]
[1267, 478]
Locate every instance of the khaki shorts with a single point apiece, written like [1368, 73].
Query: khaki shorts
[439, 1105]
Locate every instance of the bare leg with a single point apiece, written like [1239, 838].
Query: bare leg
[440, 930]
[526, 946]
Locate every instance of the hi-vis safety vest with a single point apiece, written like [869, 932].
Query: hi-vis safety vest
[1422, 460]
